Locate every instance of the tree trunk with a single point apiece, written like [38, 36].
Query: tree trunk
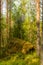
[10, 32]
[0, 24]
[7, 20]
[38, 26]
[42, 38]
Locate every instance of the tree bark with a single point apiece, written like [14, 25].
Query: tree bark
[38, 26]
[0, 24]
[7, 22]
[10, 32]
[42, 38]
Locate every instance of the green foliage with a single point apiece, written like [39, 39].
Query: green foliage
[29, 59]
[24, 25]
[24, 28]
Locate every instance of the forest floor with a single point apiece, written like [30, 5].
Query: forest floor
[19, 58]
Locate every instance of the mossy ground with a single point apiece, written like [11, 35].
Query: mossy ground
[21, 59]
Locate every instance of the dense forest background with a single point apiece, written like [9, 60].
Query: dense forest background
[21, 32]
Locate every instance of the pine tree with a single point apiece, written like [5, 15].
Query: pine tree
[38, 25]
[42, 39]
[10, 19]
[7, 21]
[0, 24]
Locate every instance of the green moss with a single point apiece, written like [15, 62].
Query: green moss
[20, 59]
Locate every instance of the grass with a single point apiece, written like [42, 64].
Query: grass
[20, 59]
